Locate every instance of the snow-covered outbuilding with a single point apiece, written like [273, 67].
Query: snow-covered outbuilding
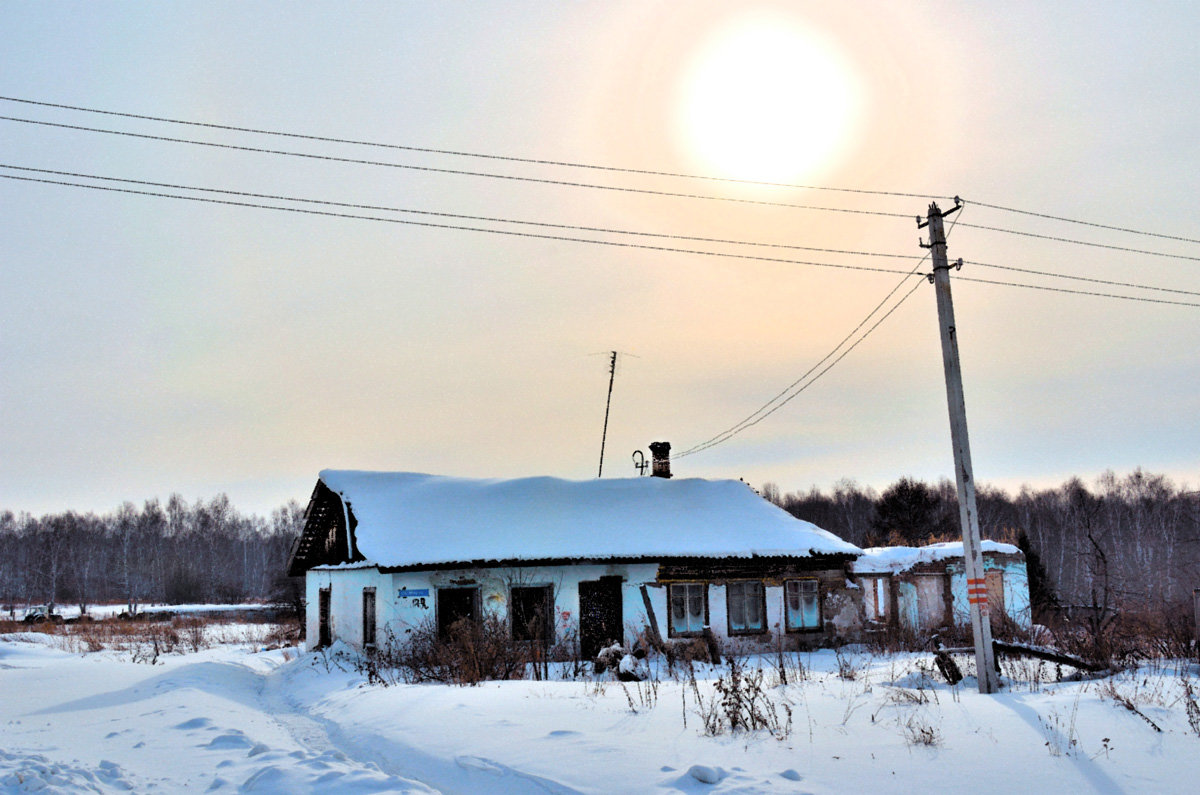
[384, 553]
[924, 588]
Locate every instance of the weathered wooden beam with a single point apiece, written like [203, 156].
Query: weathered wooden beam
[655, 636]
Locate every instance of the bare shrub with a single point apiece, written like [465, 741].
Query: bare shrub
[917, 731]
[191, 630]
[740, 703]
[467, 653]
[1190, 706]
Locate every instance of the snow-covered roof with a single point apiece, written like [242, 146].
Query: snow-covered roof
[892, 560]
[408, 519]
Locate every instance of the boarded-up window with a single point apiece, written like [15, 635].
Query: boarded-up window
[995, 594]
[746, 607]
[368, 617]
[803, 604]
[877, 598]
[689, 607]
[531, 613]
[324, 634]
[931, 600]
[454, 605]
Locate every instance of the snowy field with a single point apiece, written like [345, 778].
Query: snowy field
[236, 719]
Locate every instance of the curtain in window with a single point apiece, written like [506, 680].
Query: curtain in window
[803, 606]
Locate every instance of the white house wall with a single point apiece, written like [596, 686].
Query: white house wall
[408, 601]
[411, 609]
[345, 602]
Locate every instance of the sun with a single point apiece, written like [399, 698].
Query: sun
[768, 100]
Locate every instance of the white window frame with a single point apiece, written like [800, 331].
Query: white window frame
[741, 597]
[688, 592]
[800, 586]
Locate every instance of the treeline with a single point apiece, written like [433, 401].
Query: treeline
[1124, 541]
[175, 553]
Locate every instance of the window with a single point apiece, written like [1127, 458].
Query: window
[324, 634]
[877, 598]
[368, 616]
[803, 605]
[454, 605]
[689, 607]
[530, 609]
[746, 607]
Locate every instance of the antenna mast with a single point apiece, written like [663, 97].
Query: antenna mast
[612, 374]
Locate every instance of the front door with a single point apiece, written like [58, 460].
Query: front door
[600, 619]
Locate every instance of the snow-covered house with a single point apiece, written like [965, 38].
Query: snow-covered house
[924, 588]
[386, 552]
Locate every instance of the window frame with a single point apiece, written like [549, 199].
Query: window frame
[368, 597]
[476, 606]
[671, 588]
[787, 607]
[762, 607]
[875, 586]
[548, 602]
[324, 617]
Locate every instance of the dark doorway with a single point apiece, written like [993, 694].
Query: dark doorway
[455, 604]
[600, 619]
[324, 636]
[530, 610]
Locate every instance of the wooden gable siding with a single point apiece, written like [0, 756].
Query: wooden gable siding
[831, 569]
[324, 540]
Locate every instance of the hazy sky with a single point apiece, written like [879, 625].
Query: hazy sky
[152, 345]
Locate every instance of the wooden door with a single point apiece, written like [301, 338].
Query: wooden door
[600, 619]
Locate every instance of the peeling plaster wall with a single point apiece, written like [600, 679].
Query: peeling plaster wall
[407, 601]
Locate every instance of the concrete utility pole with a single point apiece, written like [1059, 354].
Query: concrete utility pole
[985, 654]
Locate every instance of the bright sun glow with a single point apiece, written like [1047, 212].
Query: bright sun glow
[769, 101]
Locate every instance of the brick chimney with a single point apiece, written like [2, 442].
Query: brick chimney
[661, 451]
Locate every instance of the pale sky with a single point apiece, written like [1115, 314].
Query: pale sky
[152, 345]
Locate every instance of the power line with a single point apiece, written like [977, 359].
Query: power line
[1080, 242]
[460, 216]
[430, 224]
[1081, 223]
[459, 153]
[727, 437]
[737, 427]
[1084, 278]
[1078, 292]
[460, 172]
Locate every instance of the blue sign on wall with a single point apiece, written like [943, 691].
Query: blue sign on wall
[404, 593]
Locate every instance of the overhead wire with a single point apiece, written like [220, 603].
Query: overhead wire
[460, 153]
[1089, 279]
[1023, 233]
[460, 216]
[1048, 288]
[795, 394]
[1083, 223]
[430, 224]
[766, 409]
[459, 172]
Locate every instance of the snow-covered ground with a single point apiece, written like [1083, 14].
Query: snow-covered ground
[235, 719]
